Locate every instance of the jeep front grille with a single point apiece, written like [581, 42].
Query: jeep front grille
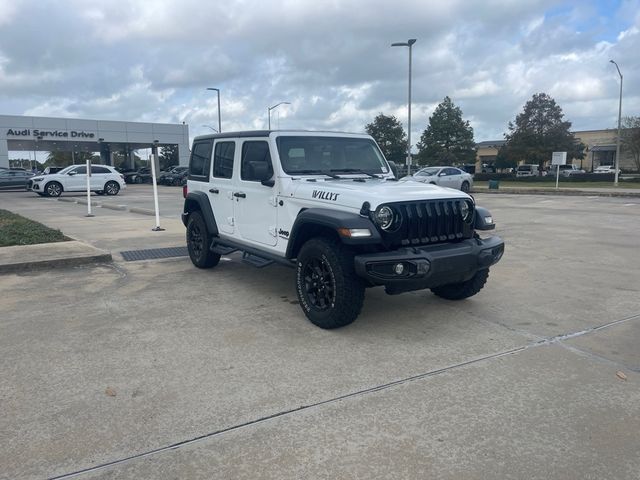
[432, 221]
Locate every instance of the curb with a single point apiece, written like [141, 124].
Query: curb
[574, 193]
[143, 211]
[84, 254]
[114, 207]
[84, 202]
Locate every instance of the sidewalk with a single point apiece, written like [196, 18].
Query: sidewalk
[110, 230]
[537, 190]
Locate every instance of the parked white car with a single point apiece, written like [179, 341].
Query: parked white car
[606, 169]
[104, 180]
[527, 170]
[444, 177]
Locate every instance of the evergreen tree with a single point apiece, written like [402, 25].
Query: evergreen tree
[630, 139]
[391, 137]
[168, 156]
[538, 131]
[448, 139]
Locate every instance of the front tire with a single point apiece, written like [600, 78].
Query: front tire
[330, 293]
[465, 187]
[111, 188]
[198, 242]
[53, 189]
[462, 290]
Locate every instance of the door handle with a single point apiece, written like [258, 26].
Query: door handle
[214, 190]
[239, 195]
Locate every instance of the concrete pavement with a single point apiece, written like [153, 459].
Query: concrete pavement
[159, 370]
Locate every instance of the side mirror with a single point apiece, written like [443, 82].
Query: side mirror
[71, 173]
[394, 169]
[262, 173]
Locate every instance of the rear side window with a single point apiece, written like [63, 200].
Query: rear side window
[253, 154]
[200, 162]
[95, 170]
[223, 159]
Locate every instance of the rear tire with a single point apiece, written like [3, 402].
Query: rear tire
[460, 291]
[53, 189]
[111, 188]
[199, 241]
[330, 293]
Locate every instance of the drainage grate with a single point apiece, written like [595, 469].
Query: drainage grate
[152, 253]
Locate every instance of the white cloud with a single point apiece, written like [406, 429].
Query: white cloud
[332, 60]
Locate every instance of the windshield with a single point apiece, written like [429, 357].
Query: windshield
[428, 171]
[309, 155]
[66, 169]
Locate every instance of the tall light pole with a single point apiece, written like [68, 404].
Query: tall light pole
[271, 108]
[615, 181]
[219, 122]
[409, 43]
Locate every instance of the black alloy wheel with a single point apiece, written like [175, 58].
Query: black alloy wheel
[319, 284]
[329, 291]
[198, 242]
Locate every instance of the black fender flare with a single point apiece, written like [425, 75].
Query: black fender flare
[479, 222]
[200, 201]
[309, 222]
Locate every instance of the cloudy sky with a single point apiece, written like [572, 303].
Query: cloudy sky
[152, 61]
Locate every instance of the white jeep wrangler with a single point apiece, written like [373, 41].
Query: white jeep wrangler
[330, 206]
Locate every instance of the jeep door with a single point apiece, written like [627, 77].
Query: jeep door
[222, 185]
[255, 204]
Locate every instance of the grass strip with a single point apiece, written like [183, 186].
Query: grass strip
[17, 230]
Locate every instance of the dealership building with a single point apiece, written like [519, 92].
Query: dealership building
[35, 134]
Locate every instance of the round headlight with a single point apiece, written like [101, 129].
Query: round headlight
[467, 211]
[384, 217]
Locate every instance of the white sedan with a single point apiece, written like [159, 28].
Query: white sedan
[450, 177]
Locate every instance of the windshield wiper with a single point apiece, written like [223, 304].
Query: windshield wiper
[313, 172]
[354, 170]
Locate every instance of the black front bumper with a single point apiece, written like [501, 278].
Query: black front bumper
[429, 266]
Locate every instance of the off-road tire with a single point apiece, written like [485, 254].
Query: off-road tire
[460, 291]
[199, 241]
[333, 263]
[111, 188]
[53, 189]
[465, 187]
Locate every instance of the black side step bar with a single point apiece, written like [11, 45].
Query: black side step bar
[222, 250]
[258, 262]
[250, 255]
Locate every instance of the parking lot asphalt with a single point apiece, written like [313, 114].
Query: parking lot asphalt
[156, 369]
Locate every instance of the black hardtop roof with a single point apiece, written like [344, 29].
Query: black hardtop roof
[264, 133]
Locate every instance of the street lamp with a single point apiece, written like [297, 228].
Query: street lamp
[209, 126]
[271, 108]
[615, 182]
[219, 122]
[409, 43]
